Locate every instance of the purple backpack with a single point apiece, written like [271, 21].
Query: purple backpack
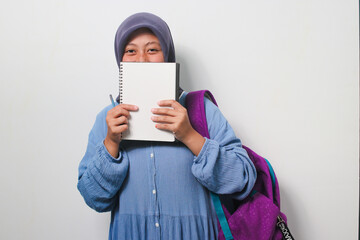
[258, 216]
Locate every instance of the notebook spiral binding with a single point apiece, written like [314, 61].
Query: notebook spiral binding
[120, 83]
[121, 87]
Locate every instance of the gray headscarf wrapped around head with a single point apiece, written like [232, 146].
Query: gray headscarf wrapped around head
[145, 20]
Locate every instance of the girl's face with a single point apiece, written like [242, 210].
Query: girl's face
[143, 46]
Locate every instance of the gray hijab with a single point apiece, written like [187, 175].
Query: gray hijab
[145, 20]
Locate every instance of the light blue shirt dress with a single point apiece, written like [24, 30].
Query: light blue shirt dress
[158, 190]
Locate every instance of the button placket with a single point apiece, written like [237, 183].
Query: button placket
[154, 175]
[154, 190]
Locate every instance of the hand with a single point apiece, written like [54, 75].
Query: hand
[176, 120]
[117, 122]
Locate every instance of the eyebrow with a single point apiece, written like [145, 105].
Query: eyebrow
[153, 42]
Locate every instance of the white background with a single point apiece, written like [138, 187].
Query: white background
[285, 74]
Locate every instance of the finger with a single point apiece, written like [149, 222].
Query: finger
[170, 103]
[129, 107]
[119, 111]
[119, 121]
[164, 111]
[164, 126]
[120, 129]
[162, 119]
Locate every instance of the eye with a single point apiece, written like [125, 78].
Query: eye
[153, 50]
[130, 51]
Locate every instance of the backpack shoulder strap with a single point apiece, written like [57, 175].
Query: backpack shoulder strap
[195, 106]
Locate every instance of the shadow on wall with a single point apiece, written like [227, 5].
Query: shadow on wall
[190, 65]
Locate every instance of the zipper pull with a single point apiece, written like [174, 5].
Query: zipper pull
[284, 229]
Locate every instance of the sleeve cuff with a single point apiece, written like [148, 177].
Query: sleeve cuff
[107, 155]
[203, 151]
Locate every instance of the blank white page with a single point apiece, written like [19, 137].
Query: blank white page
[144, 84]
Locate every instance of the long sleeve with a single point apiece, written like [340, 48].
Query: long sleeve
[222, 165]
[100, 174]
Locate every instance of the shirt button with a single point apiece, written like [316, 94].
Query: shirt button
[157, 225]
[154, 191]
[151, 155]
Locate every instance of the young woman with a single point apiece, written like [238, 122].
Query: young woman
[158, 190]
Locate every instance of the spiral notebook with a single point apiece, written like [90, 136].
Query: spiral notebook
[144, 84]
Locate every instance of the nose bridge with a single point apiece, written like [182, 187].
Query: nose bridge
[142, 57]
